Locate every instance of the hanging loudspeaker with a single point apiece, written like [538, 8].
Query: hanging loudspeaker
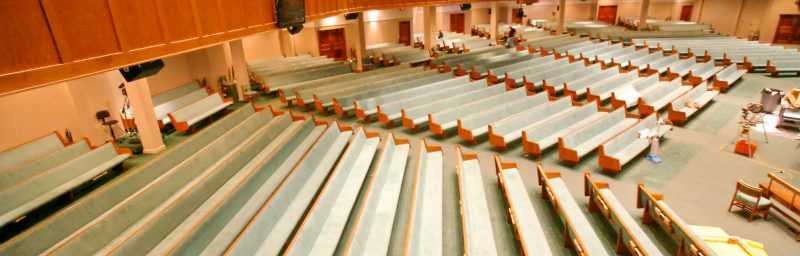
[465, 7]
[295, 29]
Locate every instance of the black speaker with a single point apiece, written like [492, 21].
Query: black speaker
[351, 16]
[295, 29]
[142, 70]
[520, 14]
[465, 7]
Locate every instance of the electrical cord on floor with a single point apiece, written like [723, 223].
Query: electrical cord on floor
[775, 169]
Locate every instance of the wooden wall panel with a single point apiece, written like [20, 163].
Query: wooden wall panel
[208, 13]
[27, 40]
[82, 29]
[137, 23]
[233, 13]
[256, 12]
[178, 20]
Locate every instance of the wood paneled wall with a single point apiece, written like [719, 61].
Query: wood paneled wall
[48, 41]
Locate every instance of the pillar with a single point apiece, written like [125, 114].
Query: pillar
[361, 42]
[595, 7]
[643, 14]
[493, 24]
[560, 27]
[146, 121]
[239, 64]
[429, 26]
[287, 43]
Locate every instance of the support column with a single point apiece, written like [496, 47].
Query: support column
[287, 43]
[643, 14]
[239, 63]
[595, 7]
[429, 26]
[562, 4]
[493, 24]
[361, 42]
[146, 121]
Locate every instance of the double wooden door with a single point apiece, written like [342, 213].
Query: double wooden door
[332, 43]
[405, 33]
[686, 13]
[457, 22]
[788, 31]
[607, 14]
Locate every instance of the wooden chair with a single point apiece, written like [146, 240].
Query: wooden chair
[750, 199]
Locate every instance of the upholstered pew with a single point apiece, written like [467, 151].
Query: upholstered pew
[577, 88]
[554, 85]
[184, 118]
[30, 151]
[656, 211]
[475, 218]
[782, 66]
[534, 82]
[368, 107]
[703, 72]
[305, 95]
[624, 60]
[601, 91]
[680, 69]
[344, 104]
[287, 93]
[472, 126]
[573, 146]
[493, 75]
[424, 231]
[688, 104]
[162, 111]
[392, 111]
[509, 129]
[627, 95]
[518, 77]
[545, 134]
[660, 96]
[446, 120]
[622, 148]
[416, 116]
[323, 99]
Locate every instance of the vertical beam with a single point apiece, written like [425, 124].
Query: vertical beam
[361, 42]
[643, 15]
[287, 43]
[239, 63]
[146, 121]
[700, 11]
[429, 25]
[594, 9]
[493, 29]
[562, 4]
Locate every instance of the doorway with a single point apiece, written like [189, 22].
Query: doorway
[788, 31]
[607, 14]
[686, 13]
[405, 33]
[457, 22]
[516, 17]
[332, 43]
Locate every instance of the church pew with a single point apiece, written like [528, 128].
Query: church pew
[27, 152]
[534, 82]
[176, 92]
[573, 146]
[215, 224]
[640, 64]
[271, 227]
[414, 117]
[322, 227]
[782, 66]
[424, 231]
[660, 66]
[727, 76]
[493, 74]
[479, 70]
[577, 53]
[521, 214]
[443, 61]
[295, 73]
[533, 43]
[509, 129]
[162, 111]
[184, 118]
[657, 211]
[374, 222]
[602, 91]
[681, 68]
[92, 236]
[43, 163]
[367, 108]
[408, 57]
[659, 97]
[279, 59]
[577, 88]
[594, 54]
[50, 231]
[287, 93]
[578, 232]
[624, 60]
[288, 68]
[545, 134]
[630, 236]
[455, 64]
[390, 112]
[472, 126]
[684, 107]
[282, 61]
[323, 99]
[475, 45]
[703, 72]
[29, 194]
[628, 95]
[345, 104]
[567, 48]
[191, 202]
[518, 77]
[607, 58]
[442, 121]
[785, 194]
[551, 46]
[554, 85]
[759, 60]
[476, 222]
[305, 96]
[622, 148]
[275, 83]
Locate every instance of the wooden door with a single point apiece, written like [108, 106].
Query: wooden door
[332, 43]
[788, 31]
[686, 13]
[457, 22]
[405, 32]
[515, 15]
[607, 14]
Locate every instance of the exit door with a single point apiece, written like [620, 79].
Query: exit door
[686, 13]
[607, 14]
[457, 22]
[788, 31]
[332, 43]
